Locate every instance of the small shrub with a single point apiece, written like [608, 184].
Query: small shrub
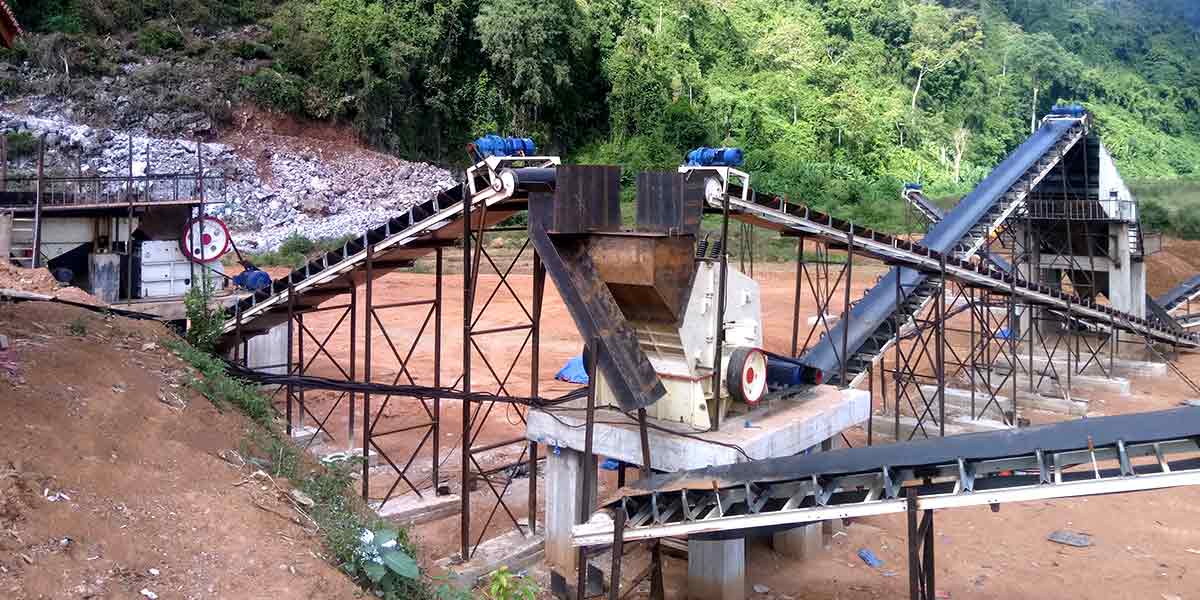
[21, 143]
[250, 50]
[78, 327]
[272, 89]
[505, 585]
[204, 321]
[154, 39]
[296, 244]
[1155, 217]
[1187, 223]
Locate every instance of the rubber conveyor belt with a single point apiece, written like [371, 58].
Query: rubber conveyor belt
[963, 229]
[1084, 457]
[923, 261]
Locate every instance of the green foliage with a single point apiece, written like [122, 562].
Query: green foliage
[383, 561]
[296, 249]
[21, 143]
[204, 320]
[504, 585]
[273, 89]
[77, 327]
[296, 244]
[216, 385]
[1154, 216]
[154, 39]
[1187, 224]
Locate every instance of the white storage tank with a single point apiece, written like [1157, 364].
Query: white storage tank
[166, 272]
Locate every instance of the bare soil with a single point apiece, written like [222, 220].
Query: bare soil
[101, 481]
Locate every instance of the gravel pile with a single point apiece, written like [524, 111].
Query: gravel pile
[285, 188]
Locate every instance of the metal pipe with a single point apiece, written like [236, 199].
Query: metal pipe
[437, 367]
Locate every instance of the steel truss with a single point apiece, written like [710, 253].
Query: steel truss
[476, 259]
[779, 501]
[425, 310]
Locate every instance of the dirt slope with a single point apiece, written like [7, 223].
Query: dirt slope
[101, 482]
[1179, 260]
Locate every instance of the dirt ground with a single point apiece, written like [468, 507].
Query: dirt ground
[40, 281]
[106, 491]
[1178, 260]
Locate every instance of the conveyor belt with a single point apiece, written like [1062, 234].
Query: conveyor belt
[1180, 294]
[778, 213]
[1085, 457]
[963, 231]
[497, 188]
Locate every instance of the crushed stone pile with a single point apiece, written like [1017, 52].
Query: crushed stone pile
[287, 185]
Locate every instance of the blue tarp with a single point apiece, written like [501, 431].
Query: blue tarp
[573, 371]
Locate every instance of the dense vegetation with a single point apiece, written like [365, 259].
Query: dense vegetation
[837, 101]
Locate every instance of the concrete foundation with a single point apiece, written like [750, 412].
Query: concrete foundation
[514, 550]
[565, 480]
[269, 352]
[716, 568]
[411, 509]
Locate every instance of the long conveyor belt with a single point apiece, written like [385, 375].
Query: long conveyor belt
[1103, 455]
[779, 214]
[496, 189]
[963, 232]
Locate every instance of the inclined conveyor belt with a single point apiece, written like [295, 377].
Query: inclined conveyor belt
[870, 316]
[437, 222]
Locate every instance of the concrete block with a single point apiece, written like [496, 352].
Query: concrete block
[786, 427]
[515, 550]
[717, 569]
[411, 509]
[565, 503]
[309, 435]
[805, 541]
[958, 401]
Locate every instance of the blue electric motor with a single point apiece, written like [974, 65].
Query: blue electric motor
[715, 157]
[252, 279]
[494, 145]
[1068, 110]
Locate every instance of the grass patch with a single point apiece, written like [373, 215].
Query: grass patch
[296, 250]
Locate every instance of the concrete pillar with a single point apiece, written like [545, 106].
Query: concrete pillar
[6, 221]
[268, 352]
[717, 569]
[104, 277]
[1126, 279]
[807, 541]
[564, 500]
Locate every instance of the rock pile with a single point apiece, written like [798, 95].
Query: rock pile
[285, 188]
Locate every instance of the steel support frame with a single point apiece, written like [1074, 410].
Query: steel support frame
[374, 425]
[299, 336]
[476, 259]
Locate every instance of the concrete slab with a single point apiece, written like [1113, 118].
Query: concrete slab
[784, 428]
[515, 550]
[1120, 366]
[411, 509]
[958, 401]
[310, 435]
[883, 427]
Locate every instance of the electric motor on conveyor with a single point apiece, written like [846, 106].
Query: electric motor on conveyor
[494, 145]
[206, 239]
[714, 157]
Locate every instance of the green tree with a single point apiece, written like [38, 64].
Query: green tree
[939, 38]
